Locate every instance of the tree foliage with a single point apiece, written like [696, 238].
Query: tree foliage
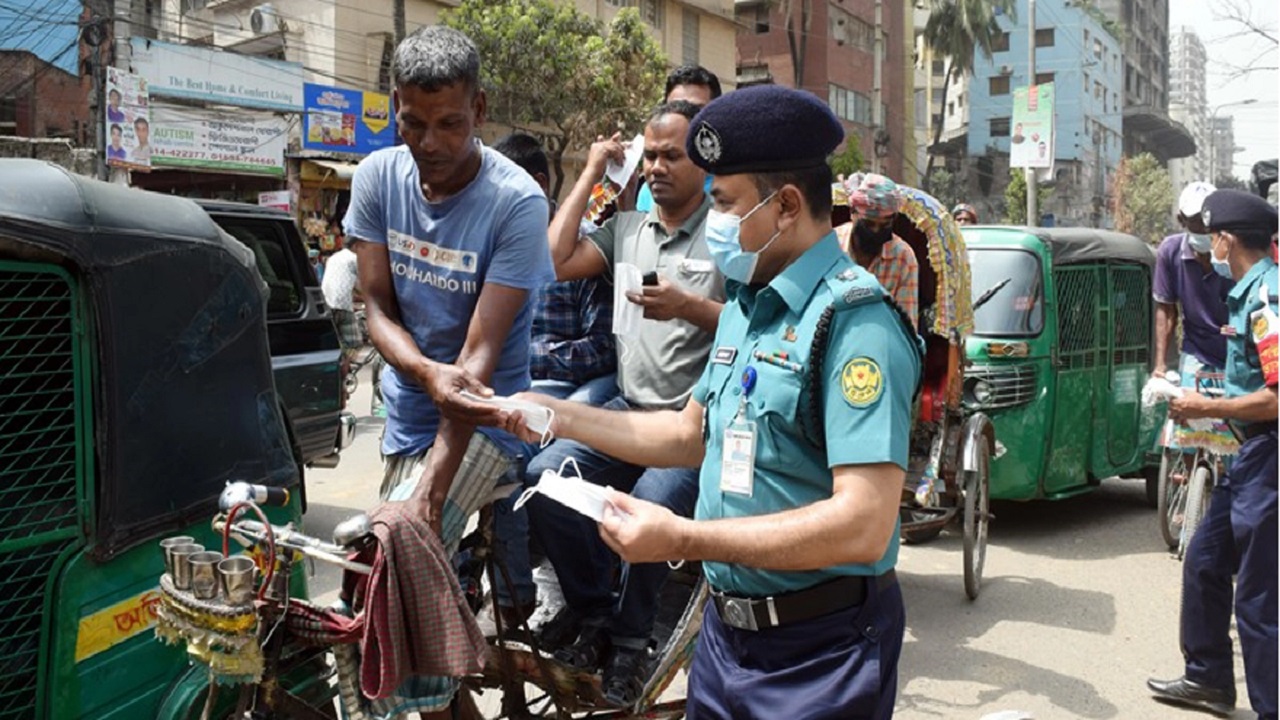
[850, 160]
[554, 71]
[956, 31]
[947, 187]
[1015, 198]
[1141, 198]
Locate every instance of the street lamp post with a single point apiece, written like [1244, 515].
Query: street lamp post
[1213, 133]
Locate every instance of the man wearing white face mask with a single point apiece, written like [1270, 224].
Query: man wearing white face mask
[800, 425]
[662, 348]
[1185, 281]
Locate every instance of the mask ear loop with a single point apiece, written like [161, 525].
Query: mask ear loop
[547, 435]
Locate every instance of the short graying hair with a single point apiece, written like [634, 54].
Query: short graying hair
[435, 56]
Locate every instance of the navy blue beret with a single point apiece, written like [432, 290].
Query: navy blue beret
[1238, 210]
[761, 129]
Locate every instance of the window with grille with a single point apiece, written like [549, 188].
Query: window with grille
[651, 11]
[999, 127]
[8, 115]
[1044, 37]
[1044, 78]
[692, 28]
[1000, 43]
[998, 85]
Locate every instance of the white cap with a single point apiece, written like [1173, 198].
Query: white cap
[1192, 198]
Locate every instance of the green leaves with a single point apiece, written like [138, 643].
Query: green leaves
[1142, 198]
[1015, 198]
[554, 70]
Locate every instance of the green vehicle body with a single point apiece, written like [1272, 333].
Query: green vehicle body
[96, 463]
[1059, 356]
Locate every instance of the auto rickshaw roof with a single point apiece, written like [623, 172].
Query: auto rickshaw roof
[183, 396]
[1071, 246]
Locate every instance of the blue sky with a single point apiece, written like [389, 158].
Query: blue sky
[45, 27]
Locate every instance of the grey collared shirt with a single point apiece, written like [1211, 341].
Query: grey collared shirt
[660, 362]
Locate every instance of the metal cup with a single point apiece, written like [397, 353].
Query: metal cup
[172, 542]
[236, 574]
[181, 555]
[204, 574]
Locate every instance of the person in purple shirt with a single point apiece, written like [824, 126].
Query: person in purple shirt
[1186, 284]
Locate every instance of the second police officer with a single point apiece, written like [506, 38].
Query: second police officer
[800, 424]
[1238, 534]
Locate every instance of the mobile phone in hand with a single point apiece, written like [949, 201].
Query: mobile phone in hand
[650, 278]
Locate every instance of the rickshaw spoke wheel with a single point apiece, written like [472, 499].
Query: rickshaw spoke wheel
[977, 501]
[1197, 504]
[1172, 498]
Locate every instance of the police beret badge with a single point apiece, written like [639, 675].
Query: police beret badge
[708, 143]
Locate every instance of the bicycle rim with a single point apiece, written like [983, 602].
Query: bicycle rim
[1197, 500]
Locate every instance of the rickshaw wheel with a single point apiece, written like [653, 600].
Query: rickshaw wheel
[1171, 496]
[977, 501]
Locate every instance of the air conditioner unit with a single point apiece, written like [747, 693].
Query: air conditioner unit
[1006, 69]
[264, 19]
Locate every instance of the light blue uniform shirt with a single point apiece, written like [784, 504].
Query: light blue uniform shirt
[869, 377]
[442, 254]
[1244, 373]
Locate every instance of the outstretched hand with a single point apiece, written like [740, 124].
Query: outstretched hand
[641, 531]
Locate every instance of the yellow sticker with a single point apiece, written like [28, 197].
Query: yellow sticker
[111, 626]
[377, 111]
[1260, 326]
[861, 382]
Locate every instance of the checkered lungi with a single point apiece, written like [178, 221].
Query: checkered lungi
[350, 334]
[483, 466]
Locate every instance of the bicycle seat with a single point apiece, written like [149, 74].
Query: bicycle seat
[353, 532]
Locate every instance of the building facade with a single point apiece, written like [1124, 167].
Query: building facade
[836, 60]
[1188, 104]
[40, 100]
[1222, 147]
[940, 98]
[1082, 58]
[1147, 125]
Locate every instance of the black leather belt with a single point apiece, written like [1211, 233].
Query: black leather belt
[775, 611]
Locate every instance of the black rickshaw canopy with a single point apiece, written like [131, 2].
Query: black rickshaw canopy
[1073, 246]
[183, 398]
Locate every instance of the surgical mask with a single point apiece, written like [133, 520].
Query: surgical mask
[1200, 243]
[571, 491]
[627, 315]
[725, 247]
[1222, 267]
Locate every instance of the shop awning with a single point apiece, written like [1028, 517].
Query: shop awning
[328, 173]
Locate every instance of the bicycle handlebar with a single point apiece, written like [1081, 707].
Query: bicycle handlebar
[252, 532]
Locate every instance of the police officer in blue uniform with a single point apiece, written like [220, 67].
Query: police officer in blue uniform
[800, 424]
[1238, 535]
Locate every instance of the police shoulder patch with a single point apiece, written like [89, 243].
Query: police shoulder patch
[861, 382]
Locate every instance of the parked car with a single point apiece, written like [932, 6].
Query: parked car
[305, 353]
[136, 382]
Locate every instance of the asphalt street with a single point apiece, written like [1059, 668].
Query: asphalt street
[1079, 603]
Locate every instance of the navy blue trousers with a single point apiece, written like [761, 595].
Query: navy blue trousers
[842, 666]
[1238, 536]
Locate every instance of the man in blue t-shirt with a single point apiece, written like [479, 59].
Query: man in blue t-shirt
[451, 240]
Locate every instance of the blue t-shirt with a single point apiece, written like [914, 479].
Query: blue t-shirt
[442, 254]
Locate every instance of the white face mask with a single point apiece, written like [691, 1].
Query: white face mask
[1220, 266]
[1200, 243]
[627, 315]
[571, 491]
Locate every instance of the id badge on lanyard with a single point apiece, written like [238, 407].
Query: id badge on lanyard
[738, 457]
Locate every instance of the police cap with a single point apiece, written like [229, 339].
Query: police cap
[763, 129]
[1238, 210]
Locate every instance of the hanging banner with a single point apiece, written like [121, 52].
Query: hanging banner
[348, 121]
[201, 73]
[128, 121]
[1031, 138]
[276, 200]
[219, 141]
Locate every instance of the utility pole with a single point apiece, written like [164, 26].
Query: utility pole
[1033, 213]
[398, 12]
[877, 97]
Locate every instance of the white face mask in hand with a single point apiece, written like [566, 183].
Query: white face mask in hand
[627, 315]
[572, 492]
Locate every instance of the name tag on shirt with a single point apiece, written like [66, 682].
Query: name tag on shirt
[694, 266]
[724, 355]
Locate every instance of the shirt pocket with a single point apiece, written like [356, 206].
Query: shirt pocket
[697, 275]
[775, 404]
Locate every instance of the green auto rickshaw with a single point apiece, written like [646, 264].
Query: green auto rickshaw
[136, 382]
[1060, 351]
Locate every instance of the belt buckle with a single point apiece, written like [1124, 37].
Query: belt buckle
[738, 614]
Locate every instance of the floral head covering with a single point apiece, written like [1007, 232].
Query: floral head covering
[874, 197]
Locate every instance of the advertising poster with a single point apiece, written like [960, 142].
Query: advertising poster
[347, 121]
[1031, 137]
[128, 121]
[277, 200]
[235, 142]
[209, 75]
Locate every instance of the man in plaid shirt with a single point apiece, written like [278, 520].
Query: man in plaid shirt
[874, 201]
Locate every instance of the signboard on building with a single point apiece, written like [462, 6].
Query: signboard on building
[277, 200]
[1031, 137]
[218, 141]
[128, 121]
[201, 73]
[349, 121]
